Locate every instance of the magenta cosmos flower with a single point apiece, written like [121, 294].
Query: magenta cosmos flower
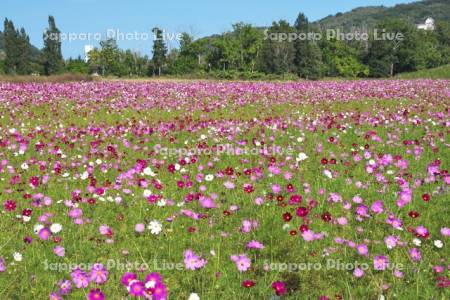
[96, 294]
[279, 287]
[152, 279]
[137, 288]
[44, 234]
[159, 292]
[127, 278]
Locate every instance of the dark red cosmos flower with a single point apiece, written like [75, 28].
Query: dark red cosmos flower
[9, 205]
[229, 171]
[27, 212]
[413, 214]
[191, 229]
[287, 217]
[248, 283]
[333, 161]
[226, 213]
[331, 139]
[34, 180]
[324, 161]
[426, 197]
[326, 217]
[248, 188]
[171, 168]
[290, 188]
[293, 232]
[302, 211]
[91, 201]
[303, 228]
[280, 198]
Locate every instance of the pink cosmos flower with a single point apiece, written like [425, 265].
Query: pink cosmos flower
[98, 274]
[255, 245]
[105, 230]
[59, 251]
[358, 272]
[2, 265]
[380, 262]
[192, 261]
[80, 278]
[391, 241]
[377, 207]
[362, 249]
[242, 262]
[415, 254]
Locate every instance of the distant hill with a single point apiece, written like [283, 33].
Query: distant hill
[369, 16]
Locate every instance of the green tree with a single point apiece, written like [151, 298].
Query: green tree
[159, 51]
[277, 53]
[387, 57]
[52, 57]
[341, 59]
[308, 55]
[443, 37]
[77, 65]
[17, 49]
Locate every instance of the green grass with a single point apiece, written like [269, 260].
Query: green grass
[442, 72]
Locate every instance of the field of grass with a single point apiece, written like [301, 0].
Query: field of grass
[311, 190]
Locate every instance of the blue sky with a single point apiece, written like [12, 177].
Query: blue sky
[198, 17]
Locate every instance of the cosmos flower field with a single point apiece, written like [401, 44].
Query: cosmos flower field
[221, 190]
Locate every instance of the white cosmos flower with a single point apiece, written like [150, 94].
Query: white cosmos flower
[300, 139]
[147, 193]
[26, 219]
[328, 174]
[417, 242]
[194, 296]
[17, 256]
[438, 244]
[301, 156]
[149, 172]
[55, 228]
[155, 227]
[203, 137]
[209, 177]
[84, 175]
[177, 167]
[98, 161]
[37, 228]
[24, 166]
[161, 203]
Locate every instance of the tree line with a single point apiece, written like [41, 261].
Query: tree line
[244, 52]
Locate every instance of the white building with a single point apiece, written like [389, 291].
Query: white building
[428, 25]
[87, 49]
